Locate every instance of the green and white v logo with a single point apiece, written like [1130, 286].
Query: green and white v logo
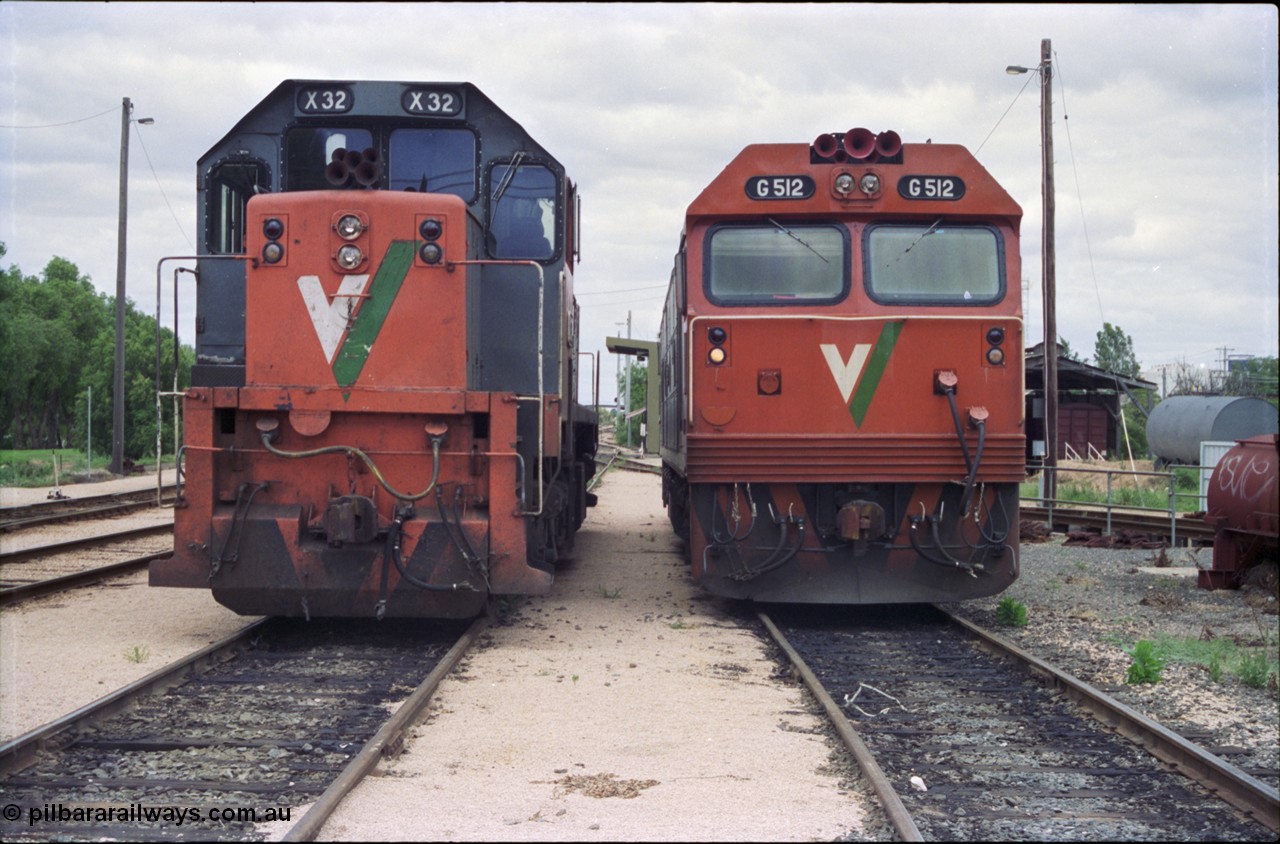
[863, 369]
[332, 319]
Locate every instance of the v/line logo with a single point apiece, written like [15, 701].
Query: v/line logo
[348, 324]
[860, 374]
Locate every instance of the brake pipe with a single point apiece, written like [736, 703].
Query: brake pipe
[351, 451]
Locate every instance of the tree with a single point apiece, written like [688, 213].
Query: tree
[628, 431]
[1252, 377]
[57, 341]
[1114, 352]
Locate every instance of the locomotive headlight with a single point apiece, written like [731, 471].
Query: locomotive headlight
[272, 252]
[869, 184]
[350, 257]
[430, 253]
[844, 183]
[349, 227]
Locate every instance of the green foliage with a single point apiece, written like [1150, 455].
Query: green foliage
[1147, 665]
[57, 341]
[1253, 377]
[1113, 352]
[1253, 669]
[1215, 668]
[1011, 613]
[628, 431]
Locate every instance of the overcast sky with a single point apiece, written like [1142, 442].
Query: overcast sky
[1164, 131]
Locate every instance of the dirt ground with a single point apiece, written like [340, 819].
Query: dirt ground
[623, 706]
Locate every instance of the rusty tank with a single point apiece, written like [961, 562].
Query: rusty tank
[1244, 510]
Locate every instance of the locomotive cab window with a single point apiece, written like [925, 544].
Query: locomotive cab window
[231, 185]
[522, 212]
[308, 150]
[934, 264]
[777, 264]
[434, 161]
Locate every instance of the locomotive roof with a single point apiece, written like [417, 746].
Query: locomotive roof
[373, 99]
[726, 194]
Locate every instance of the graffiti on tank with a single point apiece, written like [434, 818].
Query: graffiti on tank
[1246, 477]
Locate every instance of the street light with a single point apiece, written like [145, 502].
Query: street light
[117, 407]
[1045, 69]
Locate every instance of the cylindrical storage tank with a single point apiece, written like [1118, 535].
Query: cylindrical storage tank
[1179, 424]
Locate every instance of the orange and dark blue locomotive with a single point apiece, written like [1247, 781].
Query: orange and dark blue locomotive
[383, 418]
[842, 375]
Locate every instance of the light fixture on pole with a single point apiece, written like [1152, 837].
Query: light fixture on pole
[117, 398]
[1045, 69]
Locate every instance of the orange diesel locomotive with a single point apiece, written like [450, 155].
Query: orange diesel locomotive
[382, 419]
[842, 375]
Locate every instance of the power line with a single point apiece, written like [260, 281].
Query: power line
[156, 176]
[67, 123]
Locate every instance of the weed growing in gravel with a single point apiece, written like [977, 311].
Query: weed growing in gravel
[610, 593]
[137, 653]
[1146, 666]
[1220, 655]
[1215, 668]
[1253, 669]
[1011, 613]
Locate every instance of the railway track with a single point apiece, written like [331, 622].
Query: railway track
[59, 510]
[282, 714]
[48, 569]
[1187, 529]
[965, 737]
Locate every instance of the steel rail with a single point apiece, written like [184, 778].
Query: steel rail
[70, 544]
[1255, 798]
[897, 813]
[26, 591]
[386, 742]
[21, 751]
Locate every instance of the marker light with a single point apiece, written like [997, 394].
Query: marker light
[430, 229]
[272, 252]
[995, 357]
[717, 355]
[273, 229]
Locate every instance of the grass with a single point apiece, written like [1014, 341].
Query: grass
[31, 468]
[1186, 484]
[1256, 665]
[1011, 613]
[137, 653]
[609, 593]
[1147, 665]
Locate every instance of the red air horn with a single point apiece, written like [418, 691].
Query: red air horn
[825, 146]
[859, 143]
[888, 143]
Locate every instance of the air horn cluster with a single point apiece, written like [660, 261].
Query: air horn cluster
[857, 144]
[347, 164]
